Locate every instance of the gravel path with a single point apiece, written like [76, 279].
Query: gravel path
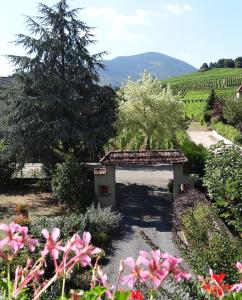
[146, 205]
[203, 137]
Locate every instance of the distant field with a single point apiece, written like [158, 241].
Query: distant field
[195, 88]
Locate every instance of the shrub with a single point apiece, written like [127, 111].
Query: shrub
[207, 116]
[72, 184]
[102, 219]
[229, 132]
[7, 167]
[68, 225]
[188, 200]
[209, 245]
[233, 111]
[223, 179]
[196, 155]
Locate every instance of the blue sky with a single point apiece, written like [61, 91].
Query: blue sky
[192, 30]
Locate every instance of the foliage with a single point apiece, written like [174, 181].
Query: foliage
[223, 179]
[233, 111]
[209, 245]
[225, 63]
[149, 110]
[185, 201]
[55, 102]
[151, 268]
[7, 166]
[196, 155]
[194, 109]
[228, 131]
[72, 184]
[101, 219]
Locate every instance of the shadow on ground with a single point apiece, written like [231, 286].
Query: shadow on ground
[142, 207]
[145, 206]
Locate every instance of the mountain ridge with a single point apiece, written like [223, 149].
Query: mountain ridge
[159, 65]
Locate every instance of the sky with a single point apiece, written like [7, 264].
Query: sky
[195, 31]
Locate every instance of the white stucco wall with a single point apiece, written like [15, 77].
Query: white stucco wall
[106, 179]
[179, 179]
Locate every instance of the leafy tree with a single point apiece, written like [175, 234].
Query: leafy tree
[204, 67]
[229, 63]
[220, 63]
[211, 100]
[149, 110]
[238, 62]
[223, 179]
[233, 111]
[55, 105]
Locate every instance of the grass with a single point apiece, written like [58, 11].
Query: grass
[39, 202]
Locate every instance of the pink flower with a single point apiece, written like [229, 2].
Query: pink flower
[52, 246]
[239, 266]
[237, 287]
[171, 264]
[156, 271]
[10, 238]
[83, 249]
[136, 272]
[26, 240]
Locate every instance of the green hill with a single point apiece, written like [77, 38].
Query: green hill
[195, 88]
[198, 85]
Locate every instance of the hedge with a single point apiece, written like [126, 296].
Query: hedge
[229, 132]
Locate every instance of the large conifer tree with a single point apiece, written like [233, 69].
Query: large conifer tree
[56, 105]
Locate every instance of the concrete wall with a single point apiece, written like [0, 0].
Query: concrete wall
[108, 179]
[181, 181]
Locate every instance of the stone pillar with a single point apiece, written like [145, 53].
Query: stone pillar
[105, 185]
[180, 180]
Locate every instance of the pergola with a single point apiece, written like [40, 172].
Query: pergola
[104, 175]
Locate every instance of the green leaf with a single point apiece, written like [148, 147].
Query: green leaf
[122, 295]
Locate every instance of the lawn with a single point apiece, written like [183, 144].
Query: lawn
[38, 201]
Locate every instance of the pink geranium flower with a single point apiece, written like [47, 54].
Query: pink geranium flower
[10, 236]
[239, 266]
[171, 264]
[26, 240]
[136, 271]
[83, 249]
[52, 246]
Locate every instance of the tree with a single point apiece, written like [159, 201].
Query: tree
[229, 63]
[204, 67]
[220, 63]
[149, 110]
[56, 105]
[233, 111]
[211, 100]
[238, 62]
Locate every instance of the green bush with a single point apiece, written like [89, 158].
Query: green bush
[207, 116]
[72, 184]
[223, 179]
[183, 202]
[229, 132]
[7, 167]
[101, 219]
[233, 111]
[68, 225]
[196, 155]
[209, 244]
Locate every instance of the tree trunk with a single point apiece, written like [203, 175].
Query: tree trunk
[148, 143]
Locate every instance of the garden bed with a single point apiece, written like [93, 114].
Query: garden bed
[38, 201]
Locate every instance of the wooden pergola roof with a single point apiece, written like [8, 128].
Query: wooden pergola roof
[143, 157]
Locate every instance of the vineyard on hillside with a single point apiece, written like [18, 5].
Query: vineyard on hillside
[195, 88]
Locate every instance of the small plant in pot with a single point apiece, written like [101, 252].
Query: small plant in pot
[22, 210]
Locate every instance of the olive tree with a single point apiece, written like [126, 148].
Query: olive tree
[149, 110]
